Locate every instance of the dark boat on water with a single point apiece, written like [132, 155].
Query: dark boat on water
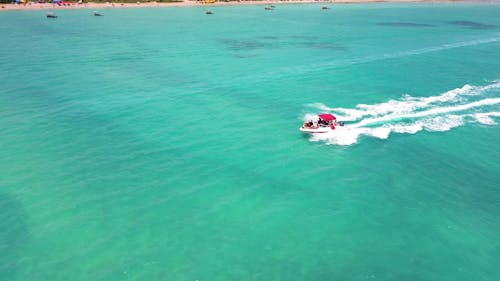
[51, 16]
[97, 14]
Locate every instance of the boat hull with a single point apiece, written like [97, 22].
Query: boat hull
[319, 130]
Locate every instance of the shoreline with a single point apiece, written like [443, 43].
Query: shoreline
[191, 3]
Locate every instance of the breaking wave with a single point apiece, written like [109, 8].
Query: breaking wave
[409, 115]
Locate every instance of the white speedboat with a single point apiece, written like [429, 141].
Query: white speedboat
[326, 123]
[315, 129]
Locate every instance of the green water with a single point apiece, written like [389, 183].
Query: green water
[163, 144]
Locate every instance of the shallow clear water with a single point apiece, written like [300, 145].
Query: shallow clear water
[163, 144]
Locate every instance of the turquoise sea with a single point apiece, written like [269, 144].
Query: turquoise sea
[163, 143]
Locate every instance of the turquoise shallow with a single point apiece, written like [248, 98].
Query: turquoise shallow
[163, 144]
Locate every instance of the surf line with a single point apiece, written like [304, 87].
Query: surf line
[429, 112]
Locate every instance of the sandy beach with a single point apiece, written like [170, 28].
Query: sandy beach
[90, 5]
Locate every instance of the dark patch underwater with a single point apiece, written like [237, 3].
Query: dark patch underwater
[404, 24]
[472, 24]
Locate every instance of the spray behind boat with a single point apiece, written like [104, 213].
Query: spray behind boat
[457, 107]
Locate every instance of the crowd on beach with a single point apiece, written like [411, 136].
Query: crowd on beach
[63, 4]
[58, 4]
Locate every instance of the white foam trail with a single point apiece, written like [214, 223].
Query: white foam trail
[434, 111]
[439, 48]
[409, 103]
[410, 115]
[315, 67]
[485, 118]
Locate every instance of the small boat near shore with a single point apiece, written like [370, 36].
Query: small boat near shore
[97, 14]
[325, 123]
[51, 15]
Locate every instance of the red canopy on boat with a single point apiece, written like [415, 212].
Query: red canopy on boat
[327, 117]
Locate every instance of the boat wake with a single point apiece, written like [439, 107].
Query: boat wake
[409, 115]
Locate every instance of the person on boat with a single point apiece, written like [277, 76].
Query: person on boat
[308, 124]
